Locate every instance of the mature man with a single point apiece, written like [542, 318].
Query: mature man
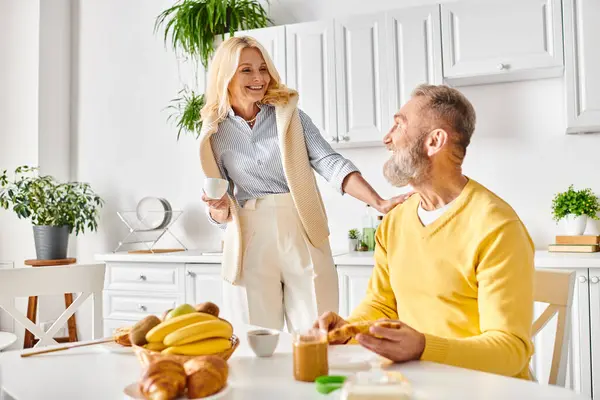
[454, 263]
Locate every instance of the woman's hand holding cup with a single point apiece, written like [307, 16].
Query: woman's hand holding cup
[215, 196]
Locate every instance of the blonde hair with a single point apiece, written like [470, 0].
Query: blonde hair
[447, 108]
[223, 68]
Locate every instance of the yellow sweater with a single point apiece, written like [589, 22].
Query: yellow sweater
[465, 281]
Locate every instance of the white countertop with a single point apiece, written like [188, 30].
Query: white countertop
[188, 256]
[101, 372]
[195, 257]
[543, 258]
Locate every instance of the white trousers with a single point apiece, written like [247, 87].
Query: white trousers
[284, 278]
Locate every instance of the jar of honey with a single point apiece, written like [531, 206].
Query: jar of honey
[310, 354]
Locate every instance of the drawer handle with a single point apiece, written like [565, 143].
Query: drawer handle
[192, 274]
[142, 278]
[142, 307]
[595, 279]
[582, 279]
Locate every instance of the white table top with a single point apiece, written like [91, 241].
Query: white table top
[96, 373]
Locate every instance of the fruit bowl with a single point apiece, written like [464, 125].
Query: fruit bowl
[146, 356]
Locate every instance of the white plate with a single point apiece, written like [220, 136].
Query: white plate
[155, 212]
[6, 339]
[132, 392]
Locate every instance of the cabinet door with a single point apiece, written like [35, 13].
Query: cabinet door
[362, 88]
[414, 50]
[273, 40]
[579, 366]
[343, 292]
[595, 327]
[355, 280]
[203, 283]
[311, 71]
[501, 40]
[582, 65]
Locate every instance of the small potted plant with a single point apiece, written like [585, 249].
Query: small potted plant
[362, 246]
[353, 237]
[575, 207]
[55, 209]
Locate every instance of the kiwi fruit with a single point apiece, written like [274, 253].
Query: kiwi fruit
[137, 335]
[208, 308]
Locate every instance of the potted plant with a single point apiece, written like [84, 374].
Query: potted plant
[55, 209]
[192, 26]
[353, 239]
[575, 207]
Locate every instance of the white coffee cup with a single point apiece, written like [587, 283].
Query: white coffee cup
[215, 188]
[263, 341]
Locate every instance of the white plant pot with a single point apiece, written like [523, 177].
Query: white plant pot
[352, 243]
[575, 224]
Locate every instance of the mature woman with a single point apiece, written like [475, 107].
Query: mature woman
[277, 261]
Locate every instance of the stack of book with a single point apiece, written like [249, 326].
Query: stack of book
[576, 244]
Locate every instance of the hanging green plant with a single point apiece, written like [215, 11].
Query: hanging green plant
[187, 112]
[192, 25]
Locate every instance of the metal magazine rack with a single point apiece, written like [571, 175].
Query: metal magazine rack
[148, 229]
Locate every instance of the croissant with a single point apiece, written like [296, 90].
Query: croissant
[206, 376]
[163, 380]
[348, 331]
[121, 336]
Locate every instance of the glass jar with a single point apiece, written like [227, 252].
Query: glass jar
[310, 354]
[376, 385]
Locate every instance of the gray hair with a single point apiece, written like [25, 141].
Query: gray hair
[449, 109]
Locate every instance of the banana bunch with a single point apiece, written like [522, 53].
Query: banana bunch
[191, 334]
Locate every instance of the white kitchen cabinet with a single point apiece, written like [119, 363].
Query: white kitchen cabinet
[273, 40]
[582, 65]
[311, 71]
[594, 285]
[502, 40]
[361, 78]
[203, 283]
[149, 284]
[354, 281]
[414, 53]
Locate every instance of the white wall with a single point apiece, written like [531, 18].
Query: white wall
[127, 150]
[125, 147]
[35, 113]
[19, 59]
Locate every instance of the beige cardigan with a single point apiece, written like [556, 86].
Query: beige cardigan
[301, 181]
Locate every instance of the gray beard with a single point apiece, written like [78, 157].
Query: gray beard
[407, 167]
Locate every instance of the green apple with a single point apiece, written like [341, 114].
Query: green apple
[180, 310]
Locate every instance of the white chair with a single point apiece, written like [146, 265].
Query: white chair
[556, 289]
[42, 281]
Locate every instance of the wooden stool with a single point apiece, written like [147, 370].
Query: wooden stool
[30, 340]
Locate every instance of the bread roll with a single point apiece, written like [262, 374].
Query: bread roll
[348, 331]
